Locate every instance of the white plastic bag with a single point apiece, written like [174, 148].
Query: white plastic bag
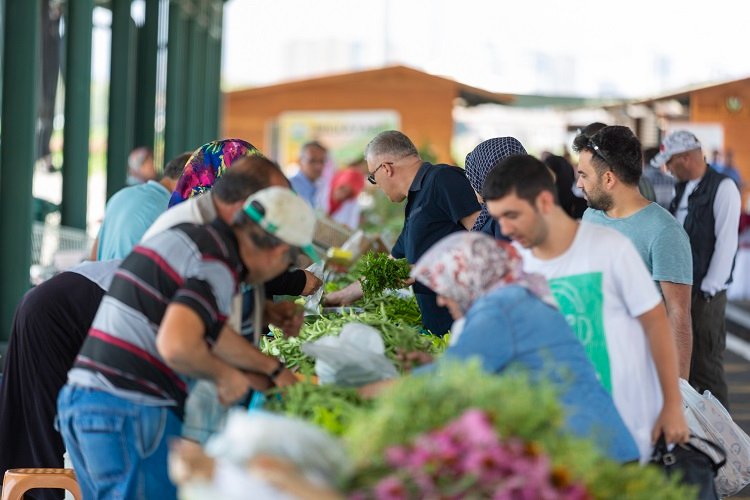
[356, 357]
[321, 457]
[708, 418]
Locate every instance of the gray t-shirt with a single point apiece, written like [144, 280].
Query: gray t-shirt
[660, 240]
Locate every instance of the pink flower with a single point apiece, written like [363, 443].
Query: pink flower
[390, 488]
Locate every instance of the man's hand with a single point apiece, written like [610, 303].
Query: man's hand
[672, 424]
[286, 315]
[345, 296]
[285, 378]
[312, 283]
[409, 360]
[231, 385]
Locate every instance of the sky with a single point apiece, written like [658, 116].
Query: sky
[602, 48]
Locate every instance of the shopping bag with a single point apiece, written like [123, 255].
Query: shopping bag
[696, 467]
[707, 418]
[354, 358]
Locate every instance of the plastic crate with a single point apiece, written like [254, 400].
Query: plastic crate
[55, 248]
[329, 233]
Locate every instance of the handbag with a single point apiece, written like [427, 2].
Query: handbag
[696, 467]
[707, 418]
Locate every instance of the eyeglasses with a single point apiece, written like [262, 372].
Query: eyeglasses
[597, 150]
[371, 177]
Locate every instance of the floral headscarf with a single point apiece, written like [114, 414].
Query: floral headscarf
[481, 160]
[207, 164]
[464, 266]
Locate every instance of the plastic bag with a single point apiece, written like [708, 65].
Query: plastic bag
[356, 357]
[708, 418]
[321, 457]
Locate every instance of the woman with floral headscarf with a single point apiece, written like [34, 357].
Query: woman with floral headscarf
[511, 318]
[478, 164]
[208, 163]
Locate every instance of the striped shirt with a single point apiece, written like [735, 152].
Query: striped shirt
[196, 266]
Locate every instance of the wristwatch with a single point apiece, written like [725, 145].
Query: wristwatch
[277, 371]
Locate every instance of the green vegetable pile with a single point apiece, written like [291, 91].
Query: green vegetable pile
[397, 319]
[330, 407]
[379, 273]
[519, 408]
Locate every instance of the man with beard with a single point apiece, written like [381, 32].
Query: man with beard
[609, 169]
[604, 291]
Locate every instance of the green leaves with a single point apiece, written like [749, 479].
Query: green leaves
[380, 273]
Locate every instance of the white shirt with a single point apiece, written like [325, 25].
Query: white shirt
[602, 286]
[727, 207]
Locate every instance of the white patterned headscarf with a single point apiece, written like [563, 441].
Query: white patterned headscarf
[464, 266]
[481, 160]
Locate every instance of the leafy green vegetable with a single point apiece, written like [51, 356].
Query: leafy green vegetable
[398, 321]
[518, 408]
[328, 406]
[380, 273]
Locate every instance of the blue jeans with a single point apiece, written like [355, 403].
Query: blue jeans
[118, 448]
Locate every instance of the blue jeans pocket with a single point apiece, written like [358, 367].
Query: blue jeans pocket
[102, 443]
[150, 425]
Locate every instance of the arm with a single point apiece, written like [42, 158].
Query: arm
[671, 421]
[94, 249]
[234, 350]
[727, 207]
[345, 296]
[469, 220]
[677, 300]
[180, 341]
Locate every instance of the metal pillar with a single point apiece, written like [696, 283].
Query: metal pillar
[213, 75]
[121, 94]
[146, 91]
[174, 125]
[194, 108]
[19, 108]
[77, 113]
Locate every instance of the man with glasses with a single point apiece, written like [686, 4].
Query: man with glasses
[708, 205]
[604, 291]
[439, 201]
[609, 168]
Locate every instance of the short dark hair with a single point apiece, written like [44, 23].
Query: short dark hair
[246, 176]
[522, 175]
[585, 134]
[173, 169]
[616, 148]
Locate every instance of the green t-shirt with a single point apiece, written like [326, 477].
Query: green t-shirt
[660, 240]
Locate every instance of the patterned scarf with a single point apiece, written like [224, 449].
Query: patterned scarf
[465, 266]
[481, 160]
[207, 164]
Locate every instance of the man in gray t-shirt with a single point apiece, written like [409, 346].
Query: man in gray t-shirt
[609, 169]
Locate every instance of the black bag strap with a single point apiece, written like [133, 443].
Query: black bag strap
[663, 456]
[713, 445]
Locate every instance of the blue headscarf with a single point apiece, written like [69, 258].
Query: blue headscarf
[482, 159]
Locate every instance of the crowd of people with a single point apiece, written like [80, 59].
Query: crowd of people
[612, 295]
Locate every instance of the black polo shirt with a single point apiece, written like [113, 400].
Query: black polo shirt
[439, 197]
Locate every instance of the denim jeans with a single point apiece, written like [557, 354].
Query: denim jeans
[118, 448]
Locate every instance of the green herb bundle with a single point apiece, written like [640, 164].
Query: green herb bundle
[379, 273]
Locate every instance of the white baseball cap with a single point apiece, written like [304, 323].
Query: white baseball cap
[280, 212]
[675, 143]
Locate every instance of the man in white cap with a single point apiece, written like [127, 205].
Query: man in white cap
[162, 325]
[708, 205]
